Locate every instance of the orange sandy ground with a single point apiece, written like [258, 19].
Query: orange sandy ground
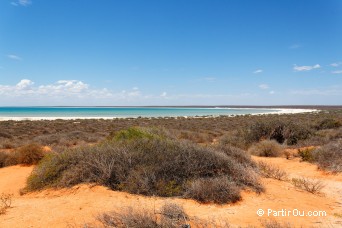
[81, 204]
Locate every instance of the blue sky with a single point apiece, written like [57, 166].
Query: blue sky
[170, 52]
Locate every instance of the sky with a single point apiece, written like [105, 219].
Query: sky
[170, 52]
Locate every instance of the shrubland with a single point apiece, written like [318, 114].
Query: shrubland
[150, 162]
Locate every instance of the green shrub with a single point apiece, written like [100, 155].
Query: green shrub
[329, 156]
[150, 165]
[133, 134]
[266, 148]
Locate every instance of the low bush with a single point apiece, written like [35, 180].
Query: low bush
[130, 218]
[309, 185]
[3, 158]
[306, 154]
[30, 154]
[237, 154]
[266, 148]
[282, 131]
[328, 123]
[149, 164]
[329, 156]
[270, 171]
[216, 190]
[171, 215]
[235, 138]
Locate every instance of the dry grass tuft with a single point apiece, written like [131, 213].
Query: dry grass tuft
[5, 202]
[309, 185]
[171, 215]
[275, 224]
[270, 171]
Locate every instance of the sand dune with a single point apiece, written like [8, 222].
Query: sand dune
[81, 204]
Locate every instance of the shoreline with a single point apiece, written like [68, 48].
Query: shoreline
[278, 111]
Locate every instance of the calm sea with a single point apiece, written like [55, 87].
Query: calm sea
[120, 112]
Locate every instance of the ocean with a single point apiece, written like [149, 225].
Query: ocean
[20, 113]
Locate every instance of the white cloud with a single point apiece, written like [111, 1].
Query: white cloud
[272, 92]
[336, 72]
[257, 71]
[264, 86]
[14, 57]
[24, 84]
[305, 68]
[336, 64]
[164, 94]
[63, 88]
[21, 3]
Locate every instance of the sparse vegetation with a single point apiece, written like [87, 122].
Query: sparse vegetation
[267, 148]
[171, 215]
[275, 224]
[309, 185]
[271, 171]
[5, 202]
[130, 217]
[239, 131]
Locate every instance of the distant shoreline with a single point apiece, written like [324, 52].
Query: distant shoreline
[278, 112]
[321, 107]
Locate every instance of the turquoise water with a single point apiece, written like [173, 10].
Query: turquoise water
[120, 112]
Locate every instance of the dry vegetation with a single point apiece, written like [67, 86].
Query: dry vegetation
[309, 185]
[150, 162]
[29, 154]
[239, 131]
[266, 148]
[5, 202]
[170, 215]
[205, 159]
[271, 171]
